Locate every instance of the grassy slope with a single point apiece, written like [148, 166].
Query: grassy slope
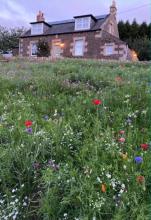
[80, 137]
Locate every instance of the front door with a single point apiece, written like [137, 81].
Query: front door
[56, 51]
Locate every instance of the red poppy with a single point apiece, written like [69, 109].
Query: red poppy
[122, 132]
[97, 102]
[103, 188]
[144, 146]
[118, 79]
[140, 179]
[121, 140]
[28, 123]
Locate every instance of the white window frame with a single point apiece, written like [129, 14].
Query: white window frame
[82, 23]
[31, 49]
[107, 52]
[37, 29]
[82, 49]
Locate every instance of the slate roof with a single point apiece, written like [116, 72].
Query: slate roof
[67, 26]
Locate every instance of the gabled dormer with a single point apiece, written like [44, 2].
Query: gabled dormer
[40, 26]
[84, 22]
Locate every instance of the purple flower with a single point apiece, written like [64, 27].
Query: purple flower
[129, 121]
[46, 117]
[56, 167]
[29, 130]
[138, 160]
[52, 164]
[36, 165]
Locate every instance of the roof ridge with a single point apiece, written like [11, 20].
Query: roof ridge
[98, 17]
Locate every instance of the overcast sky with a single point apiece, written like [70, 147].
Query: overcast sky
[16, 13]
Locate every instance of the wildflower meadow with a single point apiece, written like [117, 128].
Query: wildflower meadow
[75, 140]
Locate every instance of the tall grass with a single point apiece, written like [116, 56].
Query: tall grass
[56, 170]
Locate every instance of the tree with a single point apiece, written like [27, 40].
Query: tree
[137, 37]
[127, 30]
[9, 38]
[143, 30]
[43, 49]
[134, 30]
[142, 48]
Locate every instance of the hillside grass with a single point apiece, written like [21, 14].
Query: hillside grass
[70, 165]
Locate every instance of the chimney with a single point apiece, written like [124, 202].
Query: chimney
[40, 17]
[113, 8]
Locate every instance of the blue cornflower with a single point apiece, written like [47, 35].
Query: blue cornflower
[29, 130]
[129, 121]
[138, 160]
[46, 117]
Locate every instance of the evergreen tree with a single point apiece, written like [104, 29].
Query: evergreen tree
[43, 49]
[134, 30]
[122, 28]
[127, 30]
[137, 37]
[143, 30]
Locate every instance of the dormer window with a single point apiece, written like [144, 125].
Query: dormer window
[82, 23]
[37, 28]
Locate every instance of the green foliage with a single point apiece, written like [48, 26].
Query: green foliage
[138, 37]
[56, 171]
[9, 38]
[142, 46]
[43, 49]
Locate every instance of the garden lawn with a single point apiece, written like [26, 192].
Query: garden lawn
[75, 140]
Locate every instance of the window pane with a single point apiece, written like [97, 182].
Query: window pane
[37, 29]
[33, 49]
[79, 47]
[109, 49]
[82, 23]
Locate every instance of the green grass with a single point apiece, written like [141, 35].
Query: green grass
[79, 137]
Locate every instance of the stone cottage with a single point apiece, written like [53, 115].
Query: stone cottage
[85, 36]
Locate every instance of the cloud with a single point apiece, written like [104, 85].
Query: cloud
[22, 12]
[5, 14]
[15, 12]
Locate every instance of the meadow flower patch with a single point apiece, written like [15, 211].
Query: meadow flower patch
[75, 140]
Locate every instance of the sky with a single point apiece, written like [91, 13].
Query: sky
[19, 13]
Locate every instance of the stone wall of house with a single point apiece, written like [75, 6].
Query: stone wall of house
[94, 47]
[111, 22]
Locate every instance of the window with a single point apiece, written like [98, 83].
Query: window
[33, 49]
[37, 29]
[79, 48]
[82, 23]
[109, 49]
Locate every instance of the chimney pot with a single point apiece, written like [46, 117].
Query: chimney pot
[40, 17]
[113, 8]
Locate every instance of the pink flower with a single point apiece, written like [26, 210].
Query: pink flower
[140, 179]
[122, 132]
[144, 146]
[121, 140]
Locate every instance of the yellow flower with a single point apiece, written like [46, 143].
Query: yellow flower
[124, 156]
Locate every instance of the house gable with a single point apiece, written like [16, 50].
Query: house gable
[96, 38]
[110, 25]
